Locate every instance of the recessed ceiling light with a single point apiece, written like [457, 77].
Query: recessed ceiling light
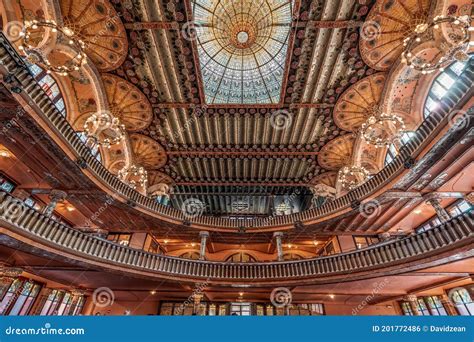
[153, 292]
[332, 296]
[417, 211]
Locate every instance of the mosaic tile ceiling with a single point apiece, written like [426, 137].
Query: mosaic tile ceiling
[242, 48]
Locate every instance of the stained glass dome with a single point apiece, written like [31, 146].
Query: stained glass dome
[242, 48]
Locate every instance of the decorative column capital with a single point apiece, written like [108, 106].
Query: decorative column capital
[203, 234]
[57, 195]
[278, 235]
[10, 271]
[410, 298]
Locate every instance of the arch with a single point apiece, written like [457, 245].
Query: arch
[240, 257]
[190, 255]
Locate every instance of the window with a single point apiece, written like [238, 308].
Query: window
[121, 239]
[422, 307]
[30, 202]
[240, 257]
[19, 297]
[426, 306]
[365, 241]
[240, 309]
[49, 86]
[442, 85]
[454, 210]
[463, 301]
[25, 299]
[10, 296]
[94, 150]
[6, 184]
[406, 309]
[392, 150]
[435, 306]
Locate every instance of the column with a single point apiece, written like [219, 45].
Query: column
[202, 252]
[413, 300]
[56, 196]
[278, 236]
[440, 211]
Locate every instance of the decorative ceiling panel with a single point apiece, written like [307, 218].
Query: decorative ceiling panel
[98, 25]
[242, 48]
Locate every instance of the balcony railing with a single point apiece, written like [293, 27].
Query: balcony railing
[32, 225]
[14, 65]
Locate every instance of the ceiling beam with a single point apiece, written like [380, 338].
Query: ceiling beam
[188, 105]
[224, 183]
[174, 25]
[241, 153]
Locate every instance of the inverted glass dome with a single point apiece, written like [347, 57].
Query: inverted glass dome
[242, 48]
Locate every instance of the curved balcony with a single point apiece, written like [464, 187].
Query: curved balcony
[27, 225]
[13, 65]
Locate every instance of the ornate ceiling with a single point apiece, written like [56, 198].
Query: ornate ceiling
[242, 48]
[232, 98]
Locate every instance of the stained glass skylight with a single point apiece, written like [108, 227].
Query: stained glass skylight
[242, 47]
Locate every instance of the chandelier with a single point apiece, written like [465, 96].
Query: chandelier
[350, 177]
[380, 129]
[104, 129]
[33, 54]
[454, 47]
[135, 176]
